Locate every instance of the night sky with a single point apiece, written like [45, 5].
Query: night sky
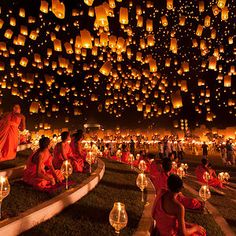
[119, 86]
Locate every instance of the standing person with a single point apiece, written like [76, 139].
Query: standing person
[180, 150]
[169, 213]
[132, 146]
[230, 153]
[10, 125]
[204, 150]
[223, 154]
[173, 148]
[161, 150]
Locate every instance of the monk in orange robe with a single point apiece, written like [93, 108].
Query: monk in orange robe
[201, 169]
[9, 133]
[160, 183]
[39, 171]
[143, 157]
[169, 213]
[62, 152]
[79, 154]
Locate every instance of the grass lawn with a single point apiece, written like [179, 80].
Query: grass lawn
[23, 197]
[20, 159]
[90, 215]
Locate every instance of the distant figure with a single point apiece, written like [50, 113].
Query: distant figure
[161, 150]
[223, 153]
[173, 148]
[132, 146]
[204, 150]
[180, 150]
[230, 153]
[39, 171]
[169, 213]
[10, 125]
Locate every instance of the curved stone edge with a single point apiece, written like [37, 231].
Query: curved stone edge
[52, 207]
[219, 219]
[146, 223]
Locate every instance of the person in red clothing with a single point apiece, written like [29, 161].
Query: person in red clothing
[39, 171]
[169, 213]
[63, 151]
[160, 183]
[201, 169]
[10, 125]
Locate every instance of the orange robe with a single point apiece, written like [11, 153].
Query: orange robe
[166, 225]
[125, 157]
[136, 163]
[31, 177]
[214, 182]
[160, 183]
[9, 136]
[79, 159]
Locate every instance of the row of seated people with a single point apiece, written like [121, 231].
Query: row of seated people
[170, 204]
[43, 169]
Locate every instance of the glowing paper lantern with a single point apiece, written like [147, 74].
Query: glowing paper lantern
[176, 100]
[221, 3]
[227, 81]
[169, 4]
[44, 6]
[106, 68]
[164, 21]
[201, 6]
[58, 9]
[24, 61]
[57, 45]
[101, 16]
[199, 30]
[124, 17]
[212, 63]
[149, 25]
[86, 39]
[225, 13]
[89, 2]
[152, 65]
[34, 107]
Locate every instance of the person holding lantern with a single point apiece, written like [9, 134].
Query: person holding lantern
[10, 125]
[39, 171]
[63, 151]
[169, 213]
[160, 183]
[202, 169]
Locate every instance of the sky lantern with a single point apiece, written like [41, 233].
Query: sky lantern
[227, 81]
[221, 3]
[212, 63]
[152, 65]
[1, 23]
[124, 16]
[169, 4]
[86, 39]
[106, 68]
[207, 21]
[57, 45]
[101, 16]
[201, 6]
[139, 21]
[44, 6]
[24, 61]
[225, 13]
[58, 9]
[199, 30]
[185, 66]
[89, 2]
[164, 21]
[182, 20]
[176, 99]
[173, 45]
[149, 25]
[34, 107]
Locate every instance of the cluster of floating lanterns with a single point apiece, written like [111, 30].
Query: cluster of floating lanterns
[136, 52]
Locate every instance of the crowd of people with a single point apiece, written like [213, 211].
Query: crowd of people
[43, 169]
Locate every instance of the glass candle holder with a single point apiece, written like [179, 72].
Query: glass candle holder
[142, 183]
[4, 191]
[66, 170]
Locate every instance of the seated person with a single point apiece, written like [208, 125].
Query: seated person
[155, 168]
[77, 147]
[125, 154]
[39, 171]
[201, 169]
[62, 152]
[106, 152]
[169, 213]
[160, 183]
[143, 157]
